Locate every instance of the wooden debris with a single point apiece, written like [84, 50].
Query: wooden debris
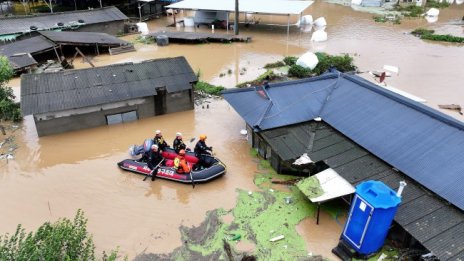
[121, 49]
[285, 182]
[454, 107]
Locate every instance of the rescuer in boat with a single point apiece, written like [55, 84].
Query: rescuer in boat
[159, 140]
[181, 164]
[201, 151]
[178, 143]
[154, 159]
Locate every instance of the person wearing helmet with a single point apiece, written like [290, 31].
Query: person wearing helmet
[154, 159]
[159, 140]
[178, 143]
[202, 151]
[181, 164]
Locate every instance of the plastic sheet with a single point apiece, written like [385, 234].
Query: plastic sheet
[320, 22]
[143, 28]
[319, 36]
[308, 60]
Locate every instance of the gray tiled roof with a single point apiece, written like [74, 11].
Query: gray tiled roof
[432, 221]
[30, 45]
[72, 89]
[22, 24]
[21, 61]
[72, 37]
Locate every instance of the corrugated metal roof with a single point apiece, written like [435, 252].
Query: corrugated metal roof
[22, 24]
[19, 52]
[30, 45]
[58, 91]
[21, 61]
[73, 37]
[420, 141]
[429, 219]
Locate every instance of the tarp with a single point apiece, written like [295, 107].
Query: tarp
[277, 7]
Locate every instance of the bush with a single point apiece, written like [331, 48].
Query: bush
[9, 109]
[208, 88]
[343, 63]
[269, 75]
[410, 10]
[443, 38]
[62, 240]
[298, 71]
[274, 65]
[436, 4]
[422, 31]
[290, 60]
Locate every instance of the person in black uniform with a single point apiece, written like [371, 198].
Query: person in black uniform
[201, 151]
[159, 140]
[154, 159]
[178, 144]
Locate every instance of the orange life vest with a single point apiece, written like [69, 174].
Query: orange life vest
[181, 165]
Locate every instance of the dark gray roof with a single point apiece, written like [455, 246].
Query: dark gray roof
[423, 143]
[31, 45]
[432, 221]
[58, 91]
[22, 24]
[19, 52]
[21, 61]
[72, 37]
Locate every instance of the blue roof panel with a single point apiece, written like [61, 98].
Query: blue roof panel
[421, 142]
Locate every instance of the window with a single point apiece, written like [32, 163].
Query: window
[121, 117]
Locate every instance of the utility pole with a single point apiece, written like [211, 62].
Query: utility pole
[237, 14]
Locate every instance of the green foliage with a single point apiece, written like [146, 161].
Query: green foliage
[298, 71]
[198, 74]
[428, 35]
[62, 240]
[343, 63]
[208, 88]
[9, 109]
[379, 19]
[144, 39]
[443, 38]
[435, 4]
[274, 65]
[290, 60]
[422, 31]
[269, 75]
[410, 10]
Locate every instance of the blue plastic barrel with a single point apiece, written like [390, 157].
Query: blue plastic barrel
[372, 211]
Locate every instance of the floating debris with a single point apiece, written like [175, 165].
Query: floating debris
[454, 107]
[277, 238]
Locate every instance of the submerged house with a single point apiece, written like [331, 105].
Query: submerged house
[365, 132]
[77, 99]
[105, 20]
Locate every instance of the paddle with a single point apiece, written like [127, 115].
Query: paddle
[152, 173]
[191, 177]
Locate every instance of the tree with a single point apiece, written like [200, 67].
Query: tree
[49, 3]
[62, 240]
[9, 109]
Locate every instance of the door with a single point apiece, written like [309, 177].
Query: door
[358, 221]
[160, 102]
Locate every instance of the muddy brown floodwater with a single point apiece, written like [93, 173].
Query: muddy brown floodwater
[53, 176]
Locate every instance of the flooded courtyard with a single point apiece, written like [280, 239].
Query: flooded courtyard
[53, 176]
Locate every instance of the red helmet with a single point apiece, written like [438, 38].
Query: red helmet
[182, 152]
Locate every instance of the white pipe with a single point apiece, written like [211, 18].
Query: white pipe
[401, 188]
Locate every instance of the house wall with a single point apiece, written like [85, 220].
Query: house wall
[112, 28]
[89, 117]
[179, 101]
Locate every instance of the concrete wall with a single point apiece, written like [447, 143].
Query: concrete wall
[83, 119]
[112, 28]
[179, 101]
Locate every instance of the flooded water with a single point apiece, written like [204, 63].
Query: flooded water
[53, 176]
